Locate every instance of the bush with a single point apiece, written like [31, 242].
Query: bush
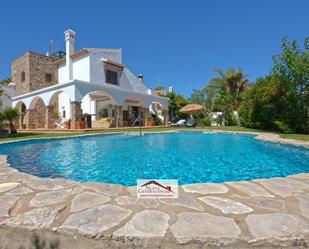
[282, 127]
[11, 114]
[231, 120]
[244, 117]
[205, 121]
[158, 121]
[2, 118]
[219, 120]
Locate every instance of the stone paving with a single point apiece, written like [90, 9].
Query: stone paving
[263, 213]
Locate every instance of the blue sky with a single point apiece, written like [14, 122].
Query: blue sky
[173, 43]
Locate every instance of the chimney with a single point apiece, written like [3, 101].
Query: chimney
[141, 78]
[69, 49]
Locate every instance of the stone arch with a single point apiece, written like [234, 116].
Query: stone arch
[134, 100]
[59, 105]
[21, 107]
[36, 114]
[100, 94]
[54, 97]
[132, 107]
[100, 104]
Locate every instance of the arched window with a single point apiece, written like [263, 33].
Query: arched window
[22, 76]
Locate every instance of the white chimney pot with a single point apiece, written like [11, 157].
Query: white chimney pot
[69, 36]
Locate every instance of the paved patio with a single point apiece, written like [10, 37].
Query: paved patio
[264, 213]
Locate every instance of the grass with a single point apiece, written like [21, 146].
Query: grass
[22, 136]
[231, 128]
[31, 135]
[38, 134]
[301, 137]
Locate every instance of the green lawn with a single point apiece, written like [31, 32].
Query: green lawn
[31, 135]
[22, 136]
[231, 128]
[302, 137]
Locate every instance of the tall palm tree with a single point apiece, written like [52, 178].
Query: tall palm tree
[232, 82]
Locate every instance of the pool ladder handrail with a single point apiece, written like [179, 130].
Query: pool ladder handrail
[139, 118]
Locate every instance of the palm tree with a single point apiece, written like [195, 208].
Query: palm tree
[227, 87]
[11, 115]
[232, 82]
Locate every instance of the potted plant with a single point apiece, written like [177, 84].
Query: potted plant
[68, 124]
[150, 121]
[3, 132]
[11, 115]
[56, 119]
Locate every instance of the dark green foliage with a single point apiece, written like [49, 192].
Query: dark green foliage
[205, 121]
[227, 89]
[198, 96]
[157, 120]
[5, 81]
[231, 120]
[10, 115]
[280, 101]
[175, 103]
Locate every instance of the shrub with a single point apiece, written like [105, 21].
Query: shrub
[11, 114]
[231, 120]
[219, 120]
[282, 127]
[2, 118]
[205, 121]
[158, 121]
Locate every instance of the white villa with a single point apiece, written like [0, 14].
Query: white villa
[92, 81]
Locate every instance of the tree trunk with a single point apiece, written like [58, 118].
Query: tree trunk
[12, 127]
[223, 119]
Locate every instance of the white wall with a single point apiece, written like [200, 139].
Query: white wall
[81, 68]
[86, 105]
[64, 104]
[62, 74]
[97, 74]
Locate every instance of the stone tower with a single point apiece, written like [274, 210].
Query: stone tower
[33, 71]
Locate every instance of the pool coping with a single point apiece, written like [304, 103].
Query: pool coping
[249, 213]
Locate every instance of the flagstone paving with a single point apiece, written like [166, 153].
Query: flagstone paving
[263, 213]
[250, 188]
[94, 221]
[279, 225]
[283, 186]
[87, 200]
[226, 206]
[203, 227]
[145, 224]
[34, 219]
[49, 198]
[205, 188]
[4, 187]
[6, 204]
[303, 204]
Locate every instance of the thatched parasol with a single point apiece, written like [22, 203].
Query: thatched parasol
[192, 108]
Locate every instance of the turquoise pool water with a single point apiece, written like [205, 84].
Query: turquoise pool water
[188, 157]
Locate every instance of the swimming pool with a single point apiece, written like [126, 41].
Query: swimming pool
[190, 157]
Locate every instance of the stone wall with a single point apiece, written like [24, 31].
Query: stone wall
[20, 65]
[36, 69]
[37, 115]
